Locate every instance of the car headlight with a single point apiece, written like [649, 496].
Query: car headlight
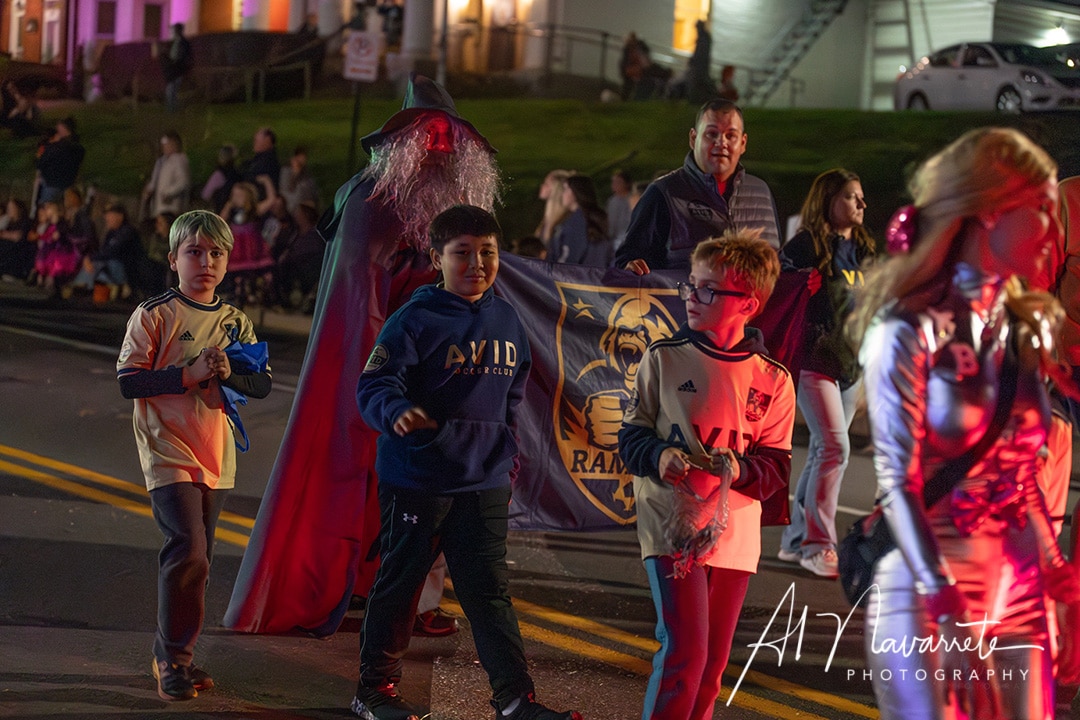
[1030, 76]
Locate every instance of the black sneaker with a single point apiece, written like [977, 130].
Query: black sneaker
[529, 709]
[173, 681]
[383, 703]
[200, 678]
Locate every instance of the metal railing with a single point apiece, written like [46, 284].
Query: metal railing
[551, 48]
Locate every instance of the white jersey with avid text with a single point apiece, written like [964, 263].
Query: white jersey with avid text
[695, 395]
[183, 437]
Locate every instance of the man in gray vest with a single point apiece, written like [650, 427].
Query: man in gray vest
[710, 193]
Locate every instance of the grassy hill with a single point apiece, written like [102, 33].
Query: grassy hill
[787, 148]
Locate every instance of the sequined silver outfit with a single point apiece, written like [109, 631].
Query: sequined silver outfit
[932, 386]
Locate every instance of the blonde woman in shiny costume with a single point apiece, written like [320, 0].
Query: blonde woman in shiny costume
[940, 319]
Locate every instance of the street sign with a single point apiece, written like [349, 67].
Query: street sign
[362, 51]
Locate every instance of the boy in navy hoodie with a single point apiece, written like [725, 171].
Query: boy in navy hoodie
[442, 385]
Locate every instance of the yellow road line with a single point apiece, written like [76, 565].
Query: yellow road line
[107, 480]
[74, 488]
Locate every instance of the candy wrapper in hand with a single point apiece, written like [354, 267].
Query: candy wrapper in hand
[699, 516]
[247, 358]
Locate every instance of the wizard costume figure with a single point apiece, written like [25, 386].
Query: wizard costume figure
[311, 547]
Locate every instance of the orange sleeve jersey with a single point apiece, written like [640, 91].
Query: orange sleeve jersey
[184, 437]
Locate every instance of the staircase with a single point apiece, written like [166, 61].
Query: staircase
[888, 46]
[792, 48]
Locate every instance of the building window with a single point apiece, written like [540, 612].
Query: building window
[687, 13]
[106, 19]
[152, 16]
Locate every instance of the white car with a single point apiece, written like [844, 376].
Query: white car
[1007, 77]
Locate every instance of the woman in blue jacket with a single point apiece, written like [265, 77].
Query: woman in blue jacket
[832, 245]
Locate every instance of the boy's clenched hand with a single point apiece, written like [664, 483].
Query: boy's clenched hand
[413, 419]
[201, 368]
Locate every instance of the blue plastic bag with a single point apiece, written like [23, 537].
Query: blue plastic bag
[247, 358]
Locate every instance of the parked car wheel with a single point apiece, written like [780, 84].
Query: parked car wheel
[1008, 101]
[917, 102]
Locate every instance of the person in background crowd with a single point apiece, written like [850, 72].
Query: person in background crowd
[157, 276]
[57, 260]
[20, 112]
[116, 264]
[632, 64]
[696, 85]
[250, 256]
[58, 162]
[726, 87]
[642, 78]
[218, 186]
[393, 15]
[279, 227]
[81, 231]
[582, 238]
[176, 62]
[17, 251]
[299, 262]
[297, 184]
[551, 192]
[710, 193]
[618, 206]
[169, 187]
[832, 246]
[956, 354]
[529, 246]
[263, 162]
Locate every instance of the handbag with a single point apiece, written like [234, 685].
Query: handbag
[869, 538]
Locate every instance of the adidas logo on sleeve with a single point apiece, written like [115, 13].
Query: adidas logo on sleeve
[687, 386]
[187, 337]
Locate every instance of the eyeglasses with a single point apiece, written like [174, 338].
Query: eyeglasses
[686, 291]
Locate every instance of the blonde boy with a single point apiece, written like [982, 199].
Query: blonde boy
[172, 365]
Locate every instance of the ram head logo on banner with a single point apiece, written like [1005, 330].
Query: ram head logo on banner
[601, 337]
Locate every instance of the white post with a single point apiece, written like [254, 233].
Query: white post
[297, 14]
[444, 29]
[418, 30]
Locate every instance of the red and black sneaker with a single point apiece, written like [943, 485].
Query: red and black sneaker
[435, 623]
[383, 703]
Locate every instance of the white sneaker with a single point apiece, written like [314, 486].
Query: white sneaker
[789, 557]
[823, 564]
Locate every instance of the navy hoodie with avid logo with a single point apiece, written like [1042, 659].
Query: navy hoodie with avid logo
[466, 364]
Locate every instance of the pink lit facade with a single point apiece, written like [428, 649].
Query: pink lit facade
[52, 31]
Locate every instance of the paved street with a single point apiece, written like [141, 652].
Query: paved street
[78, 564]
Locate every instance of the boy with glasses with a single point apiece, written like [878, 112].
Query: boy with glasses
[707, 435]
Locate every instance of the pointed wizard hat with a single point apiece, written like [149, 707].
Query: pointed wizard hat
[423, 96]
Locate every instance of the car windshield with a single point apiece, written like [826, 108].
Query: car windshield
[1028, 55]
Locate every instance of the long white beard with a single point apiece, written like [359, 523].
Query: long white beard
[417, 191]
